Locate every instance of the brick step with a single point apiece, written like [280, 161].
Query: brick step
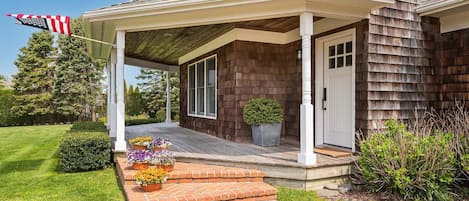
[239, 191]
[196, 173]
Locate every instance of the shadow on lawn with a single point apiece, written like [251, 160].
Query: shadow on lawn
[20, 166]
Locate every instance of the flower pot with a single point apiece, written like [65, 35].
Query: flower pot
[167, 168]
[266, 135]
[151, 187]
[139, 166]
[138, 147]
[157, 149]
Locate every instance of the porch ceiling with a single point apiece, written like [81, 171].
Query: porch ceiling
[167, 45]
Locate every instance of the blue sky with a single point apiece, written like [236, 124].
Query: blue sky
[13, 36]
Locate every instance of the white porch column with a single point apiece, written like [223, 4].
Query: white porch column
[112, 112]
[306, 155]
[120, 144]
[108, 91]
[168, 98]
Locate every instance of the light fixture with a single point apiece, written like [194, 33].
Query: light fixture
[300, 53]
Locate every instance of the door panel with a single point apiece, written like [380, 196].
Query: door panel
[337, 106]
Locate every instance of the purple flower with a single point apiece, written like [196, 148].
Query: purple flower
[160, 143]
[164, 157]
[140, 156]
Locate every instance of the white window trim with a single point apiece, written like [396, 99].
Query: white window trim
[205, 115]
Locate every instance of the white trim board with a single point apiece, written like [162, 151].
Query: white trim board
[262, 37]
[319, 84]
[454, 22]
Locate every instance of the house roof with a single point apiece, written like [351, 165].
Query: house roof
[143, 18]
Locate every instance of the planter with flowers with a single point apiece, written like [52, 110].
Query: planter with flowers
[139, 159]
[160, 144]
[141, 143]
[165, 159]
[151, 179]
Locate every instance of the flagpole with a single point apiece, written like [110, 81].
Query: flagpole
[93, 40]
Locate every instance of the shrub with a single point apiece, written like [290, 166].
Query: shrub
[133, 122]
[262, 111]
[88, 126]
[413, 167]
[83, 151]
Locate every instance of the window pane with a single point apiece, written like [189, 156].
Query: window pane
[191, 101]
[331, 63]
[340, 48]
[200, 101]
[331, 50]
[200, 74]
[192, 76]
[348, 47]
[211, 72]
[340, 62]
[348, 60]
[211, 101]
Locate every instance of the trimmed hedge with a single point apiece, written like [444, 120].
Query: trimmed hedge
[262, 111]
[88, 126]
[83, 151]
[132, 122]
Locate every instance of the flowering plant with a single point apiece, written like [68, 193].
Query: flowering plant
[160, 143]
[150, 176]
[140, 156]
[141, 141]
[164, 157]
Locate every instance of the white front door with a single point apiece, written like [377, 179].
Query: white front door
[337, 103]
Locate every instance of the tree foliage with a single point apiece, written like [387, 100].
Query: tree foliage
[34, 81]
[78, 77]
[153, 88]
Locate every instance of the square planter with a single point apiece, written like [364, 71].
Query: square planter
[266, 135]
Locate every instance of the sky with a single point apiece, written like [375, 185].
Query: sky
[13, 36]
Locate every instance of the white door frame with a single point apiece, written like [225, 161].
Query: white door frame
[319, 83]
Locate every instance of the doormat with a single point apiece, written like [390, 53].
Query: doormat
[336, 153]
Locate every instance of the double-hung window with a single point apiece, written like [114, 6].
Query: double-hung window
[202, 86]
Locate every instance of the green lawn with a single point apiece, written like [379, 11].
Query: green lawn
[286, 194]
[29, 169]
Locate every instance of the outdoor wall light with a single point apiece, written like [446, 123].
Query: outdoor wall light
[299, 52]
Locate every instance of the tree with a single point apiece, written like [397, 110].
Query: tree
[2, 82]
[153, 90]
[33, 83]
[134, 104]
[78, 79]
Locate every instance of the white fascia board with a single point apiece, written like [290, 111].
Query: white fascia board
[434, 7]
[454, 22]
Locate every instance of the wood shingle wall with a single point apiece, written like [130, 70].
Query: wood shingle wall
[402, 63]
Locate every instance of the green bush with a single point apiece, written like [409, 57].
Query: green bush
[88, 126]
[133, 122]
[262, 111]
[83, 151]
[409, 166]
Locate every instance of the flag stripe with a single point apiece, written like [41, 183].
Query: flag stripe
[61, 25]
[57, 23]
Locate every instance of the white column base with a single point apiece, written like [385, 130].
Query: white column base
[307, 155]
[120, 146]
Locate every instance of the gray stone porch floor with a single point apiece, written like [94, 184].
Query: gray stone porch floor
[190, 144]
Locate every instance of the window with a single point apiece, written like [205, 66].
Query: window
[340, 55]
[202, 85]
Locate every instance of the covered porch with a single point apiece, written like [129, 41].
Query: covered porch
[278, 163]
[176, 35]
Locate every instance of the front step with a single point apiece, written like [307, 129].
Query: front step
[189, 181]
[197, 173]
[255, 191]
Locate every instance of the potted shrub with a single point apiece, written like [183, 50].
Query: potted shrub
[151, 179]
[164, 159]
[265, 117]
[141, 143]
[139, 159]
[160, 144]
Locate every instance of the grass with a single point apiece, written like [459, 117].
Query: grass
[286, 194]
[29, 169]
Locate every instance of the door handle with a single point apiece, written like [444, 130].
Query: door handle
[324, 99]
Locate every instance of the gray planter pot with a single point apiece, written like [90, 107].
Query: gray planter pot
[266, 135]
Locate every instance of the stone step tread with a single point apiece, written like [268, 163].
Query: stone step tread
[200, 172]
[205, 191]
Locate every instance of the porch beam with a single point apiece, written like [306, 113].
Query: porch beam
[150, 64]
[120, 144]
[113, 109]
[306, 155]
[168, 97]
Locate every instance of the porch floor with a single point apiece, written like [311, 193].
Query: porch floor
[190, 144]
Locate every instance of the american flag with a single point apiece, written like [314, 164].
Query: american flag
[57, 23]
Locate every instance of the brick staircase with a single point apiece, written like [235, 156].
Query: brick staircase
[199, 182]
